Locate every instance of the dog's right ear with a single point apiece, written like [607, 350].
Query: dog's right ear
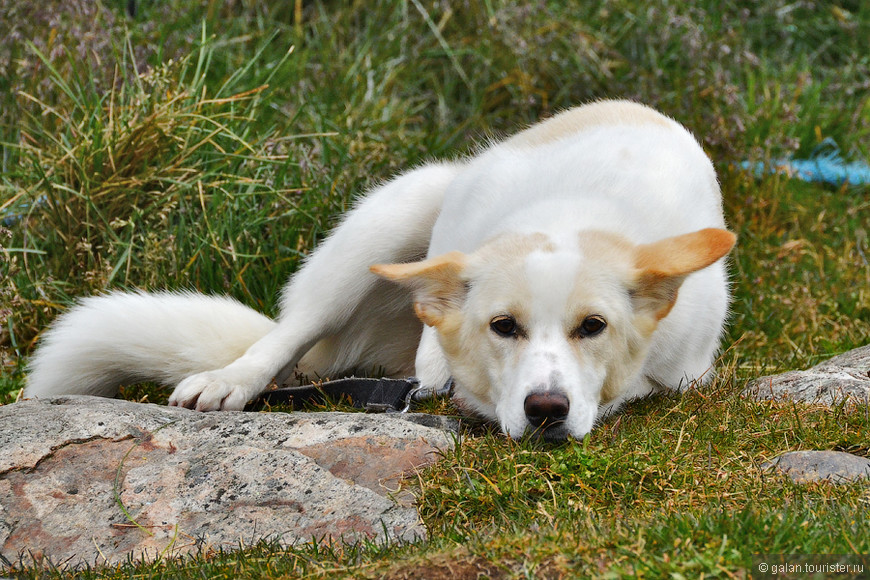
[662, 266]
[437, 283]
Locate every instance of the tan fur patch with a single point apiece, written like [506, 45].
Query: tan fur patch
[575, 120]
[607, 247]
[513, 246]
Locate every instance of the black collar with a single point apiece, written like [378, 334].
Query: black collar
[373, 395]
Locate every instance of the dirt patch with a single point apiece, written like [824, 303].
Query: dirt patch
[472, 568]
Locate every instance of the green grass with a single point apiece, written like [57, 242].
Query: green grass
[190, 147]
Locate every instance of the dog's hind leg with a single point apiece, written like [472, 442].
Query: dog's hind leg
[334, 289]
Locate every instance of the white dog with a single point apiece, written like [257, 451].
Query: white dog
[558, 274]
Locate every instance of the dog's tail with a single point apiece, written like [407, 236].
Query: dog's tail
[122, 338]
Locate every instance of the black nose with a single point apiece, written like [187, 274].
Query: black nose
[546, 408]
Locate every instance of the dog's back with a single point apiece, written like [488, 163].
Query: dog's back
[613, 165]
[578, 119]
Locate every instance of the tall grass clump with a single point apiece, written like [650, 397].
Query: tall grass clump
[137, 185]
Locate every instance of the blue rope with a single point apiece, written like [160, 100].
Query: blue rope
[824, 166]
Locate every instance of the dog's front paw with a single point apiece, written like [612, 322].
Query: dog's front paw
[213, 391]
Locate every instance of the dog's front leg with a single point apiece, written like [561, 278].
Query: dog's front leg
[317, 311]
[273, 357]
[431, 366]
[333, 291]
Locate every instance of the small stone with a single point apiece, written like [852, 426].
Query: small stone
[842, 378]
[810, 466]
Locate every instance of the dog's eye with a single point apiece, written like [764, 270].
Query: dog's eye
[590, 326]
[504, 326]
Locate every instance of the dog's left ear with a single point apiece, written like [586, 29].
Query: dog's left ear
[437, 284]
[662, 266]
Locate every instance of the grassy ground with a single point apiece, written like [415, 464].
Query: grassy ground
[211, 144]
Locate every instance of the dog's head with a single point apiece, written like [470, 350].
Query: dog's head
[539, 335]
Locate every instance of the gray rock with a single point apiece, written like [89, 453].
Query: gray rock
[844, 377]
[86, 480]
[809, 466]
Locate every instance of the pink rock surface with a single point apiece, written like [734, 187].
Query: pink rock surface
[90, 480]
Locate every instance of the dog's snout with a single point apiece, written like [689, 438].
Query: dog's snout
[546, 408]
